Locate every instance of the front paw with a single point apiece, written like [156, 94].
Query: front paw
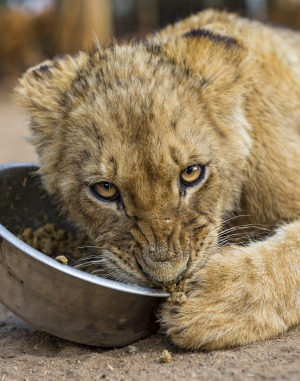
[227, 303]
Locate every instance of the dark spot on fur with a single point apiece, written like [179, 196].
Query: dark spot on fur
[174, 124]
[174, 155]
[182, 191]
[96, 133]
[174, 311]
[36, 74]
[219, 38]
[85, 154]
[80, 84]
[151, 171]
[204, 82]
[197, 229]
[114, 165]
[44, 68]
[62, 100]
[194, 283]
[187, 71]
[153, 49]
[99, 76]
[42, 71]
[112, 160]
[178, 332]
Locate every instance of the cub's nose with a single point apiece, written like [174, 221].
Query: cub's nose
[166, 280]
[162, 265]
[158, 253]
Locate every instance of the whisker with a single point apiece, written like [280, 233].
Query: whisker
[89, 247]
[242, 227]
[234, 218]
[89, 263]
[228, 220]
[85, 258]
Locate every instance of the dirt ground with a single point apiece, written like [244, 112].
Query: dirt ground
[28, 354]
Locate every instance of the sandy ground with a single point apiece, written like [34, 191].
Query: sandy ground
[28, 354]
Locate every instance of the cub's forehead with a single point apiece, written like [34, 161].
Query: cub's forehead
[121, 64]
[129, 74]
[129, 89]
[133, 151]
[143, 122]
[135, 110]
[132, 107]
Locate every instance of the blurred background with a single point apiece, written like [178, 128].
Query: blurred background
[33, 30]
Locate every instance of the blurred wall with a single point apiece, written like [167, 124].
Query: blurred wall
[32, 30]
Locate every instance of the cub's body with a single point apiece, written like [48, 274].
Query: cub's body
[271, 107]
[215, 94]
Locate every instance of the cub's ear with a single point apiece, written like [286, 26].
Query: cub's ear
[40, 90]
[220, 62]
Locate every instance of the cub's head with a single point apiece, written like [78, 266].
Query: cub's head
[143, 145]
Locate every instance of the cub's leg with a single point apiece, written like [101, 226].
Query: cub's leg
[242, 295]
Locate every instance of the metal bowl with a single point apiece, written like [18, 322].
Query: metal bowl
[56, 298]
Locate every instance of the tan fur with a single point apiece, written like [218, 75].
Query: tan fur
[226, 96]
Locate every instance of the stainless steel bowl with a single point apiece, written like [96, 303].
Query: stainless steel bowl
[56, 298]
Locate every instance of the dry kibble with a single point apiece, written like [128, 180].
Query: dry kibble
[54, 242]
[177, 298]
[176, 287]
[165, 357]
[27, 233]
[62, 259]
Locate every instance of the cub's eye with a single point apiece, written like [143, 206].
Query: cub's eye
[192, 175]
[105, 191]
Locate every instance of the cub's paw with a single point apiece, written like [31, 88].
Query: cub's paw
[229, 302]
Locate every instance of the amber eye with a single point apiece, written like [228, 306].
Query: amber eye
[192, 175]
[105, 191]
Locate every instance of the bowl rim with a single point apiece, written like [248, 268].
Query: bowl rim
[71, 271]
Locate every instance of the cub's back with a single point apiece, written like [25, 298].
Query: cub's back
[275, 55]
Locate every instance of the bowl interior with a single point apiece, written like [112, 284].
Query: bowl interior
[24, 203]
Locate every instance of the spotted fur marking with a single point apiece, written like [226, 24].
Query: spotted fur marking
[219, 38]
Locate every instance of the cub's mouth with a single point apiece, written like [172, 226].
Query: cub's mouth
[160, 262]
[151, 268]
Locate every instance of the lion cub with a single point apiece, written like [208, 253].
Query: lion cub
[168, 152]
